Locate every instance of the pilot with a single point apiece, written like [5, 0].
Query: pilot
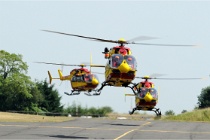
[130, 62]
[115, 61]
[87, 78]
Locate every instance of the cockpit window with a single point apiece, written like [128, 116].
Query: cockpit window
[95, 76]
[131, 61]
[88, 77]
[154, 93]
[143, 91]
[116, 60]
[77, 78]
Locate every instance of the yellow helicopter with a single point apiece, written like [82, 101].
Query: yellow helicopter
[81, 79]
[121, 67]
[146, 95]
[120, 71]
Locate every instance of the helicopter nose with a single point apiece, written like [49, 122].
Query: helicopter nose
[95, 81]
[124, 67]
[148, 97]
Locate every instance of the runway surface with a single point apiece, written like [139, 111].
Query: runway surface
[83, 128]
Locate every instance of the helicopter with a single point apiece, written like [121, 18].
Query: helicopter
[146, 95]
[121, 67]
[81, 79]
[120, 71]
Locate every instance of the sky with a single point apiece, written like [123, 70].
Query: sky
[171, 22]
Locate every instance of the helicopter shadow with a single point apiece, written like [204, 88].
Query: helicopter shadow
[120, 124]
[67, 137]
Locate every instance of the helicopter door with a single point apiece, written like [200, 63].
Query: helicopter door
[116, 60]
[131, 61]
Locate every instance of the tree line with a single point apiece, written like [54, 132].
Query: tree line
[19, 93]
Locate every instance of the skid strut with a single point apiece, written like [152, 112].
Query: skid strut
[156, 110]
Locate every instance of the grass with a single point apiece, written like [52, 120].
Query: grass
[201, 115]
[16, 117]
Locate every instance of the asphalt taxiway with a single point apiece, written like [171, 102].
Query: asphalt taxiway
[83, 128]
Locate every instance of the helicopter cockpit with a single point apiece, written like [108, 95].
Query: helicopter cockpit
[143, 91]
[131, 61]
[117, 59]
[89, 77]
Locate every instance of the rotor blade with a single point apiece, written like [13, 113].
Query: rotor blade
[93, 65]
[97, 72]
[172, 78]
[173, 45]
[92, 38]
[156, 75]
[61, 64]
[81, 65]
[140, 38]
[179, 78]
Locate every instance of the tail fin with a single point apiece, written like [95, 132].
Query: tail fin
[60, 74]
[50, 77]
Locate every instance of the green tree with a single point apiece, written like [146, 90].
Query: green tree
[78, 110]
[93, 111]
[169, 113]
[204, 98]
[11, 63]
[51, 99]
[104, 110]
[15, 86]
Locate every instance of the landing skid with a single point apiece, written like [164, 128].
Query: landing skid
[75, 92]
[72, 93]
[94, 94]
[106, 83]
[102, 86]
[156, 110]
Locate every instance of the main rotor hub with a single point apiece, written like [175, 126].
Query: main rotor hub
[122, 41]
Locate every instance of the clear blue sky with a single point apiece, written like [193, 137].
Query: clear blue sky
[174, 22]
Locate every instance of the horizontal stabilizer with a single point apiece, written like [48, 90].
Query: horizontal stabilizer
[50, 77]
[129, 95]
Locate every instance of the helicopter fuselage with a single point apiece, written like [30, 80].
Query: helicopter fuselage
[81, 79]
[146, 99]
[120, 70]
